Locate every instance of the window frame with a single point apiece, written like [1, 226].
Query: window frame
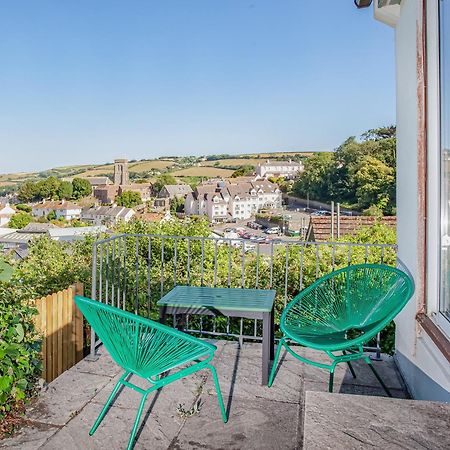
[434, 210]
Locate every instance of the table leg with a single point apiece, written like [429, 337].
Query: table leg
[266, 347]
[272, 335]
[162, 314]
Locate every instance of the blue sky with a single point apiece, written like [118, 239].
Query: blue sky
[87, 81]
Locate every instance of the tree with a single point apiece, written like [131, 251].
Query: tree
[81, 188]
[51, 216]
[314, 181]
[48, 188]
[129, 199]
[20, 220]
[360, 173]
[177, 205]
[28, 191]
[65, 190]
[243, 171]
[162, 180]
[375, 184]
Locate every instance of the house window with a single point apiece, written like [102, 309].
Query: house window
[444, 38]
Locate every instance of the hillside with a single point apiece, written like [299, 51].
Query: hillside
[213, 166]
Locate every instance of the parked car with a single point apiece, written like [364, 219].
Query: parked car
[272, 230]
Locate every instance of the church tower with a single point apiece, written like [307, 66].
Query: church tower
[121, 172]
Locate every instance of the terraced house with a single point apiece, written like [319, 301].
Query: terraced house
[63, 209]
[224, 201]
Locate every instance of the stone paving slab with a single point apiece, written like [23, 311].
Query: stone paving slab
[65, 397]
[30, 437]
[255, 424]
[260, 417]
[114, 431]
[358, 422]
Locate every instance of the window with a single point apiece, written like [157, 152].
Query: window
[444, 52]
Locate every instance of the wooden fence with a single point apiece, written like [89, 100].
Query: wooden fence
[61, 324]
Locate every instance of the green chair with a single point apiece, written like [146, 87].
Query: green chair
[341, 312]
[147, 349]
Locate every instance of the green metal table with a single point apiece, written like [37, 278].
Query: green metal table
[228, 302]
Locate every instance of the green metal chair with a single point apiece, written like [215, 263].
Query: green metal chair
[341, 312]
[147, 349]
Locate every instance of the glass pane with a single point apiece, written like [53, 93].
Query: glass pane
[444, 303]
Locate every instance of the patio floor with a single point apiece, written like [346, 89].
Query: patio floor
[260, 417]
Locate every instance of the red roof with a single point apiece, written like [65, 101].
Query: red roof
[319, 229]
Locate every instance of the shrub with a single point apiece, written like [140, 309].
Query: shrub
[20, 364]
[20, 220]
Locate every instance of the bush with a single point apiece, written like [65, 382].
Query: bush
[20, 364]
[20, 220]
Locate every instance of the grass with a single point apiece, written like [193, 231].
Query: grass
[234, 162]
[202, 172]
[5, 271]
[144, 166]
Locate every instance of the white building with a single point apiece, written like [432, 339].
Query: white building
[107, 215]
[287, 169]
[62, 209]
[71, 234]
[422, 44]
[6, 212]
[226, 200]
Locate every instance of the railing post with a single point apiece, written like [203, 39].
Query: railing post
[93, 354]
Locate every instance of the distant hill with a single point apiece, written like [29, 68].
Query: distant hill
[214, 165]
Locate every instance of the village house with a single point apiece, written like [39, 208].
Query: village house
[286, 169]
[224, 201]
[6, 212]
[96, 182]
[170, 192]
[63, 209]
[106, 215]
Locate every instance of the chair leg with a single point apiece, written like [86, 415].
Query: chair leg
[386, 389]
[350, 365]
[136, 422]
[275, 362]
[105, 408]
[219, 393]
[331, 381]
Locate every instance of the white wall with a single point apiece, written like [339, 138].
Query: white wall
[424, 368]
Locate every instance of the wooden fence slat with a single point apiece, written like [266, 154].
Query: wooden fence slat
[78, 322]
[70, 338]
[64, 325]
[60, 323]
[54, 335]
[59, 330]
[49, 337]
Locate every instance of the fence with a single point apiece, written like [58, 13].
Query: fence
[133, 271]
[61, 325]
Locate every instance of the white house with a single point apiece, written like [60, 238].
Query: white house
[6, 212]
[64, 209]
[107, 215]
[286, 169]
[223, 201]
[422, 44]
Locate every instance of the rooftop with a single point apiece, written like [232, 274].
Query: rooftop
[260, 417]
[62, 205]
[320, 228]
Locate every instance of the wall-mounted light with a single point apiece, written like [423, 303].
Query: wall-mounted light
[363, 3]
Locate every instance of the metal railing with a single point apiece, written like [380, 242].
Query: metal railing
[133, 271]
